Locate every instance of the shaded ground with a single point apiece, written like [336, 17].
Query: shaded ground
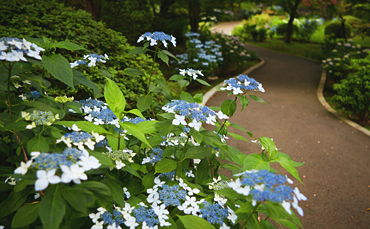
[336, 175]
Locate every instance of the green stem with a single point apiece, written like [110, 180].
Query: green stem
[223, 124]
[246, 221]
[151, 73]
[119, 137]
[8, 91]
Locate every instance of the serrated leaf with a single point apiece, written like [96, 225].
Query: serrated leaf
[59, 67]
[68, 45]
[239, 127]
[186, 97]
[176, 77]
[40, 106]
[52, 208]
[13, 202]
[195, 222]
[268, 144]
[132, 72]
[228, 107]
[202, 171]
[255, 161]
[144, 102]
[116, 190]
[26, 215]
[183, 83]
[114, 97]
[81, 79]
[286, 164]
[169, 54]
[100, 192]
[288, 224]
[203, 82]
[17, 126]
[75, 198]
[244, 101]
[38, 143]
[198, 98]
[237, 136]
[163, 84]
[163, 56]
[196, 135]
[197, 152]
[136, 112]
[103, 159]
[165, 165]
[85, 126]
[256, 98]
[135, 131]
[137, 50]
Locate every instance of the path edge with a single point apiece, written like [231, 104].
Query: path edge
[208, 95]
[323, 102]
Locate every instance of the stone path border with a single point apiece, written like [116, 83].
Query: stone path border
[211, 92]
[323, 102]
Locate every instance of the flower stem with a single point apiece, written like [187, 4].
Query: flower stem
[8, 91]
[22, 147]
[246, 221]
[119, 137]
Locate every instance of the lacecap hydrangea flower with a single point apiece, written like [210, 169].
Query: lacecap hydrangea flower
[263, 185]
[191, 72]
[90, 60]
[157, 36]
[192, 114]
[12, 49]
[242, 84]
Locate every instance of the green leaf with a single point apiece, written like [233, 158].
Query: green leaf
[198, 98]
[113, 142]
[153, 141]
[26, 215]
[52, 208]
[147, 126]
[103, 159]
[14, 201]
[68, 45]
[81, 79]
[176, 77]
[75, 198]
[129, 169]
[165, 166]
[17, 126]
[136, 112]
[255, 161]
[256, 98]
[196, 135]
[237, 136]
[236, 155]
[137, 50]
[197, 152]
[163, 84]
[38, 143]
[105, 73]
[244, 101]
[116, 190]
[186, 97]
[40, 106]
[148, 180]
[228, 107]
[163, 56]
[268, 144]
[288, 223]
[85, 126]
[230, 166]
[144, 102]
[114, 97]
[195, 222]
[100, 192]
[203, 82]
[132, 72]
[231, 194]
[286, 164]
[135, 131]
[202, 171]
[183, 83]
[169, 54]
[239, 127]
[59, 67]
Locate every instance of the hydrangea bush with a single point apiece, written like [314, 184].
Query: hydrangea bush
[94, 164]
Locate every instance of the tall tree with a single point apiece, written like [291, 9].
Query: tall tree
[291, 7]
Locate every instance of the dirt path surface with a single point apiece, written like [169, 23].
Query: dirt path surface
[336, 175]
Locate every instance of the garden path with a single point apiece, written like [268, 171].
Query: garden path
[336, 175]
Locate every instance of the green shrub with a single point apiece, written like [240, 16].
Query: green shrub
[282, 28]
[353, 93]
[43, 18]
[334, 30]
[261, 20]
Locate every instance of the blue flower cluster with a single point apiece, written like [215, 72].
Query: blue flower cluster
[192, 34]
[272, 186]
[194, 110]
[12, 49]
[143, 214]
[34, 94]
[49, 161]
[242, 84]
[91, 103]
[172, 195]
[109, 219]
[157, 36]
[213, 213]
[92, 58]
[42, 117]
[169, 175]
[102, 143]
[154, 157]
[78, 136]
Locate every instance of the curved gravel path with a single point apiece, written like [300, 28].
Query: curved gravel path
[336, 175]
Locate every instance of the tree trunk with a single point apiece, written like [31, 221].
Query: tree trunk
[194, 15]
[289, 30]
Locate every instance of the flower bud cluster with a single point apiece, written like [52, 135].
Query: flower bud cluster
[39, 118]
[12, 49]
[64, 99]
